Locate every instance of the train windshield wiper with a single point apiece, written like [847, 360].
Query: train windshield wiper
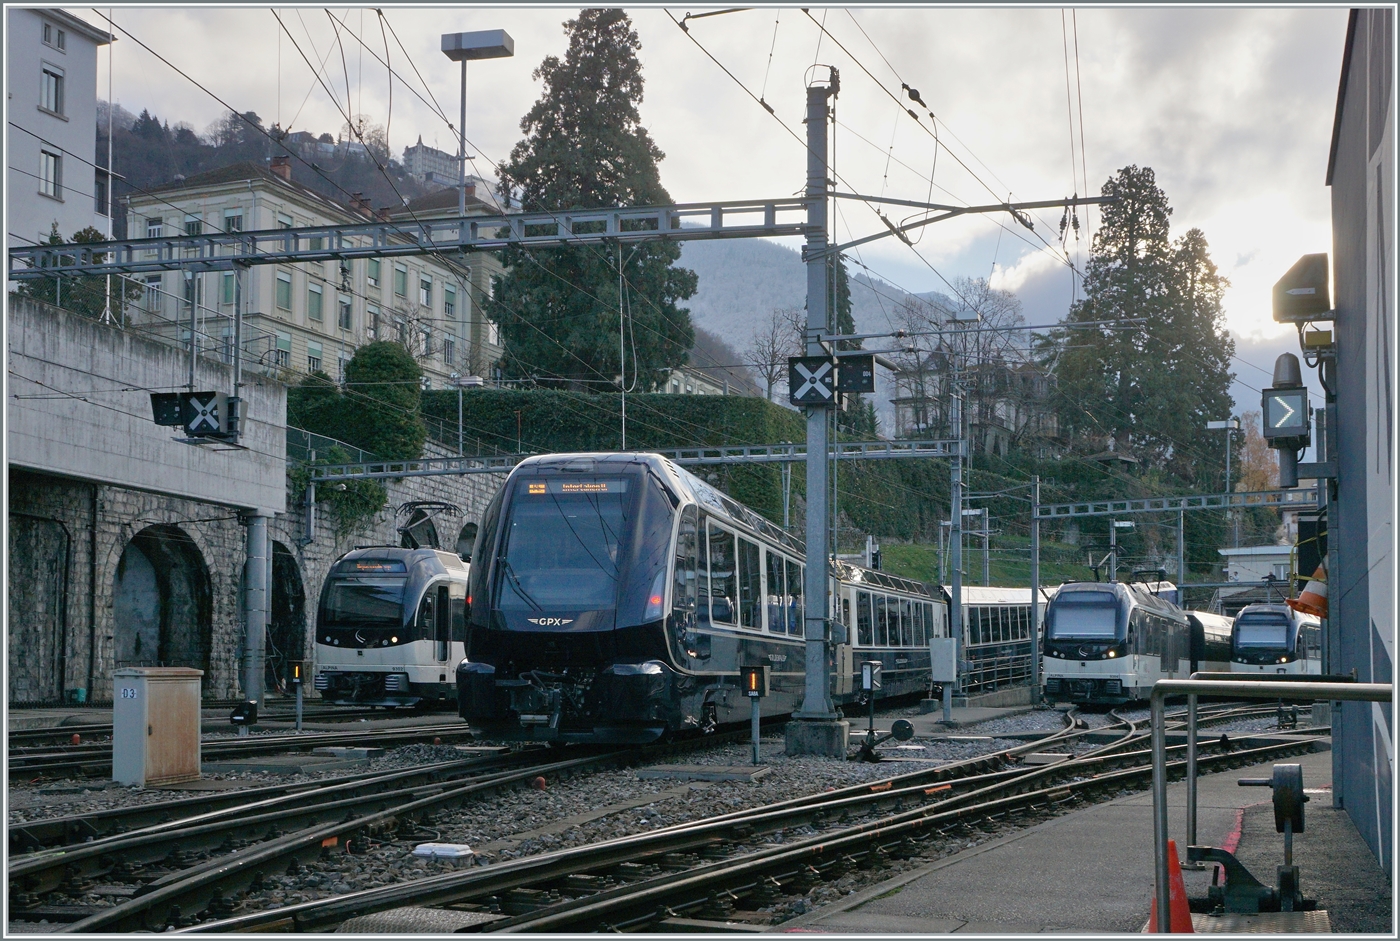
[519, 588]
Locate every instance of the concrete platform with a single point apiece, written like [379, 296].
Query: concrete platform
[1091, 872]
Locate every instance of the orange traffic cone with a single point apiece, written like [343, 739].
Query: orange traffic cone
[1176, 893]
[1313, 600]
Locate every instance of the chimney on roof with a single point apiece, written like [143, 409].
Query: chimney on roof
[382, 214]
[360, 204]
[282, 166]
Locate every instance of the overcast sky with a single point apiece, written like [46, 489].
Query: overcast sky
[1231, 107]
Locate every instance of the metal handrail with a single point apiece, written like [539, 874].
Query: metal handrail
[1234, 688]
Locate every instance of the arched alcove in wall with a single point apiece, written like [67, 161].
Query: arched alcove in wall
[286, 632]
[162, 602]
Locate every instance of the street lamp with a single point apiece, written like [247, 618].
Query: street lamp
[464, 382]
[1229, 425]
[459, 47]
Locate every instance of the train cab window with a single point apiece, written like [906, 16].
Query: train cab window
[722, 576]
[906, 622]
[864, 619]
[427, 616]
[795, 574]
[777, 593]
[750, 585]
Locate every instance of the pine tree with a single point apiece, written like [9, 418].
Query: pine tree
[1148, 387]
[585, 147]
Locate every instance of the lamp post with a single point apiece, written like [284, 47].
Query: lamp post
[1229, 426]
[464, 382]
[1113, 527]
[459, 47]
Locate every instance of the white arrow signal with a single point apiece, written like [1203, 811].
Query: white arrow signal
[1280, 400]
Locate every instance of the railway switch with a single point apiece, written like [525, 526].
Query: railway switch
[1242, 892]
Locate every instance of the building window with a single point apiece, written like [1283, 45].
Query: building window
[155, 228]
[425, 342]
[99, 193]
[346, 321]
[53, 36]
[372, 322]
[313, 301]
[401, 281]
[449, 300]
[401, 331]
[284, 221]
[233, 220]
[284, 290]
[449, 349]
[51, 89]
[194, 225]
[227, 286]
[315, 244]
[425, 291]
[341, 360]
[226, 348]
[283, 355]
[372, 273]
[153, 293]
[313, 356]
[50, 174]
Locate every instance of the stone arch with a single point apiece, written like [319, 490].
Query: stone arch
[466, 539]
[286, 631]
[162, 601]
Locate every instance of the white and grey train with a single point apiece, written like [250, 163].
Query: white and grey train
[390, 627]
[1274, 638]
[1109, 642]
[615, 597]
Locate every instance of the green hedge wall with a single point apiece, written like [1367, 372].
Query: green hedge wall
[893, 498]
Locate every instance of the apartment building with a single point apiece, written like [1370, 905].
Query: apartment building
[310, 316]
[51, 66]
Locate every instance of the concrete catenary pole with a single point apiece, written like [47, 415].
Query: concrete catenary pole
[817, 729]
[1035, 589]
[255, 580]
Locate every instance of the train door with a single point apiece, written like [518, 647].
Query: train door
[845, 653]
[442, 623]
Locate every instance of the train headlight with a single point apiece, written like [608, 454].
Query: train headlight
[1113, 653]
[393, 640]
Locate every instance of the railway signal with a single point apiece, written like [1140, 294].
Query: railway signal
[755, 683]
[1287, 419]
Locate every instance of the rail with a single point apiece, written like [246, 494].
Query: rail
[1233, 688]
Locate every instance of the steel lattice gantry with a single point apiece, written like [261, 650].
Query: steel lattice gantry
[230, 250]
[731, 454]
[1268, 499]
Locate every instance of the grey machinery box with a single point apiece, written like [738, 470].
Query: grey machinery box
[155, 725]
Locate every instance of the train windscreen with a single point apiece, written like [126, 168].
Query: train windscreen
[1262, 630]
[364, 603]
[1082, 615]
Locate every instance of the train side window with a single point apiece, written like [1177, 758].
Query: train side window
[750, 585]
[920, 637]
[906, 622]
[683, 584]
[777, 600]
[722, 580]
[795, 573]
[459, 615]
[882, 621]
[443, 622]
[702, 578]
[427, 615]
[846, 616]
[864, 634]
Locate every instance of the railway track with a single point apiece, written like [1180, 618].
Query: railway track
[60, 734]
[96, 758]
[277, 829]
[710, 866]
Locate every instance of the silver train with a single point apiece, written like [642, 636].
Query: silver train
[1273, 638]
[390, 627]
[1109, 642]
[615, 597]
